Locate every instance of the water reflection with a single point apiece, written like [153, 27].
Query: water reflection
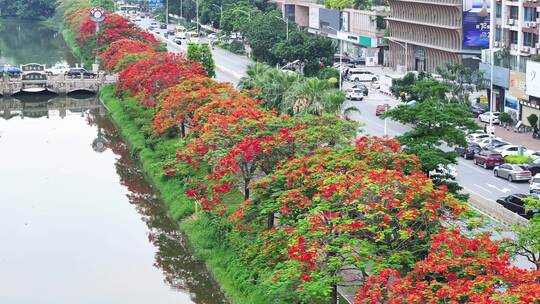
[45, 105]
[25, 41]
[173, 256]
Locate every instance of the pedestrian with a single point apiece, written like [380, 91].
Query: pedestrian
[485, 128]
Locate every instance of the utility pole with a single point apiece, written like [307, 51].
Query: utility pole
[197, 11]
[167, 12]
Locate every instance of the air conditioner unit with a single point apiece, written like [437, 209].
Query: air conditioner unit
[533, 51]
[525, 49]
[510, 21]
[537, 45]
[496, 44]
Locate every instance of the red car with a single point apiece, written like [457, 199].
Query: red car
[381, 109]
[488, 159]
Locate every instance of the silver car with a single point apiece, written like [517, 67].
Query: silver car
[512, 172]
[535, 184]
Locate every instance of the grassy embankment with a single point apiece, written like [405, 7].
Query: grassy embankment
[206, 238]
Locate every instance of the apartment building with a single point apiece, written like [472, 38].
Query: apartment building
[360, 32]
[517, 24]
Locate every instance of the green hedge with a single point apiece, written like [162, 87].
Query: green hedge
[208, 237]
[518, 159]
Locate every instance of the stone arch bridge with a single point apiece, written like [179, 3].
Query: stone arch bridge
[39, 82]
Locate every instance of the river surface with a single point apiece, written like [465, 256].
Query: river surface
[79, 222]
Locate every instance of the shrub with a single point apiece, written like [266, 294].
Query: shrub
[533, 120]
[518, 159]
[505, 118]
[234, 46]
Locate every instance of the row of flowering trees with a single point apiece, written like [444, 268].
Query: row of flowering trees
[317, 200]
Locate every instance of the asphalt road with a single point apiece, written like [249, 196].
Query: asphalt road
[476, 180]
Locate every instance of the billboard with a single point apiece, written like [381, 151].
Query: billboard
[476, 23]
[152, 4]
[532, 86]
[314, 17]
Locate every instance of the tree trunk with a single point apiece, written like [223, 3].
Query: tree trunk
[183, 129]
[246, 190]
[270, 220]
[334, 294]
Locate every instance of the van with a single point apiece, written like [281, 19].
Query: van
[358, 75]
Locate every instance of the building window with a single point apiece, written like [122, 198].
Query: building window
[513, 37]
[498, 9]
[514, 12]
[528, 39]
[497, 34]
[530, 13]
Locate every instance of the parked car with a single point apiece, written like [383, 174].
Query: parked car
[510, 150]
[58, 69]
[494, 145]
[534, 186]
[477, 109]
[512, 172]
[359, 75]
[489, 140]
[153, 23]
[362, 87]
[358, 60]
[11, 71]
[516, 204]
[534, 167]
[151, 28]
[355, 94]
[178, 41]
[76, 72]
[489, 116]
[488, 159]
[473, 137]
[381, 109]
[469, 151]
[171, 32]
[443, 172]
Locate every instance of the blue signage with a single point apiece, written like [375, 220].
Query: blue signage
[511, 102]
[476, 23]
[155, 3]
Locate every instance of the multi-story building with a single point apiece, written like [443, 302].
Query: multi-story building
[516, 29]
[360, 32]
[424, 34]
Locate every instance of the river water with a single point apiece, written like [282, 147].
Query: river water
[79, 223]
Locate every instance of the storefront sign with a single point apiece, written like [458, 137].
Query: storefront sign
[314, 17]
[345, 21]
[533, 78]
[501, 76]
[476, 23]
[517, 85]
[510, 103]
[367, 41]
[347, 37]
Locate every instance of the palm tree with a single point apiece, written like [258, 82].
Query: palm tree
[254, 74]
[312, 96]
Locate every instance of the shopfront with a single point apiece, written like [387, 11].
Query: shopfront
[501, 80]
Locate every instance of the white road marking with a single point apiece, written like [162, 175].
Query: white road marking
[503, 190]
[487, 190]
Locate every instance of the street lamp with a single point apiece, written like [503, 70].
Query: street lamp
[340, 58]
[287, 25]
[406, 52]
[220, 12]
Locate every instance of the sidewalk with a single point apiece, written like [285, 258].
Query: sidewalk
[514, 138]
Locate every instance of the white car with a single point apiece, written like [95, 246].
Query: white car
[355, 94]
[511, 150]
[486, 141]
[534, 186]
[443, 172]
[490, 116]
[58, 69]
[361, 75]
[474, 137]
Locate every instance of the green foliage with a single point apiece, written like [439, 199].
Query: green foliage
[106, 4]
[235, 46]
[32, 9]
[310, 49]
[338, 4]
[533, 120]
[527, 237]
[518, 159]
[236, 17]
[505, 118]
[460, 80]
[292, 93]
[264, 30]
[202, 54]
